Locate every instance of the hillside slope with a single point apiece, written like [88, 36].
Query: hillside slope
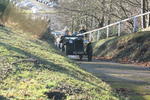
[131, 48]
[33, 69]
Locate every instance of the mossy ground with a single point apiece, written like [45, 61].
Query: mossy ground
[31, 69]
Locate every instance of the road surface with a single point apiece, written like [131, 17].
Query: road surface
[131, 80]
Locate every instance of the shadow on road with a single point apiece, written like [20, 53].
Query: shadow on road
[120, 76]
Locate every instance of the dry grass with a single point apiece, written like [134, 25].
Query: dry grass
[16, 19]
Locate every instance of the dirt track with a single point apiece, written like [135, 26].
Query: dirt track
[131, 79]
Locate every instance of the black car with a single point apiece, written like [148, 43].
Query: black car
[76, 45]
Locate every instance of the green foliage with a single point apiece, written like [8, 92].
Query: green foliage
[3, 6]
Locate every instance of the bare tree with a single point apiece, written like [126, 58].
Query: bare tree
[98, 13]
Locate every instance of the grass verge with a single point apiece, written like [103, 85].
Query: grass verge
[33, 69]
[129, 48]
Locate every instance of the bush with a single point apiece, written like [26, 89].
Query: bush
[3, 5]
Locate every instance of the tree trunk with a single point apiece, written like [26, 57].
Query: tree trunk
[109, 13]
[101, 23]
[149, 21]
[148, 9]
[143, 10]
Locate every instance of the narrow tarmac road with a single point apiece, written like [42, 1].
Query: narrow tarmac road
[130, 80]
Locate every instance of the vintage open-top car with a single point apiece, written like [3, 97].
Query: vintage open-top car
[76, 45]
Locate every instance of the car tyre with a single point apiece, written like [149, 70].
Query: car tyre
[80, 56]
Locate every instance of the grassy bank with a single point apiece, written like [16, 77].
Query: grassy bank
[33, 69]
[129, 48]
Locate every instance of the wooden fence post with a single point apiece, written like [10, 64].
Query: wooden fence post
[119, 28]
[90, 38]
[148, 20]
[135, 24]
[107, 32]
[98, 35]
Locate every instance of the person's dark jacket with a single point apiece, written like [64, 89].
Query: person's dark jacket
[82, 31]
[89, 49]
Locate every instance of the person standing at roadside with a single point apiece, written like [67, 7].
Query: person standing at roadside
[82, 29]
[89, 51]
